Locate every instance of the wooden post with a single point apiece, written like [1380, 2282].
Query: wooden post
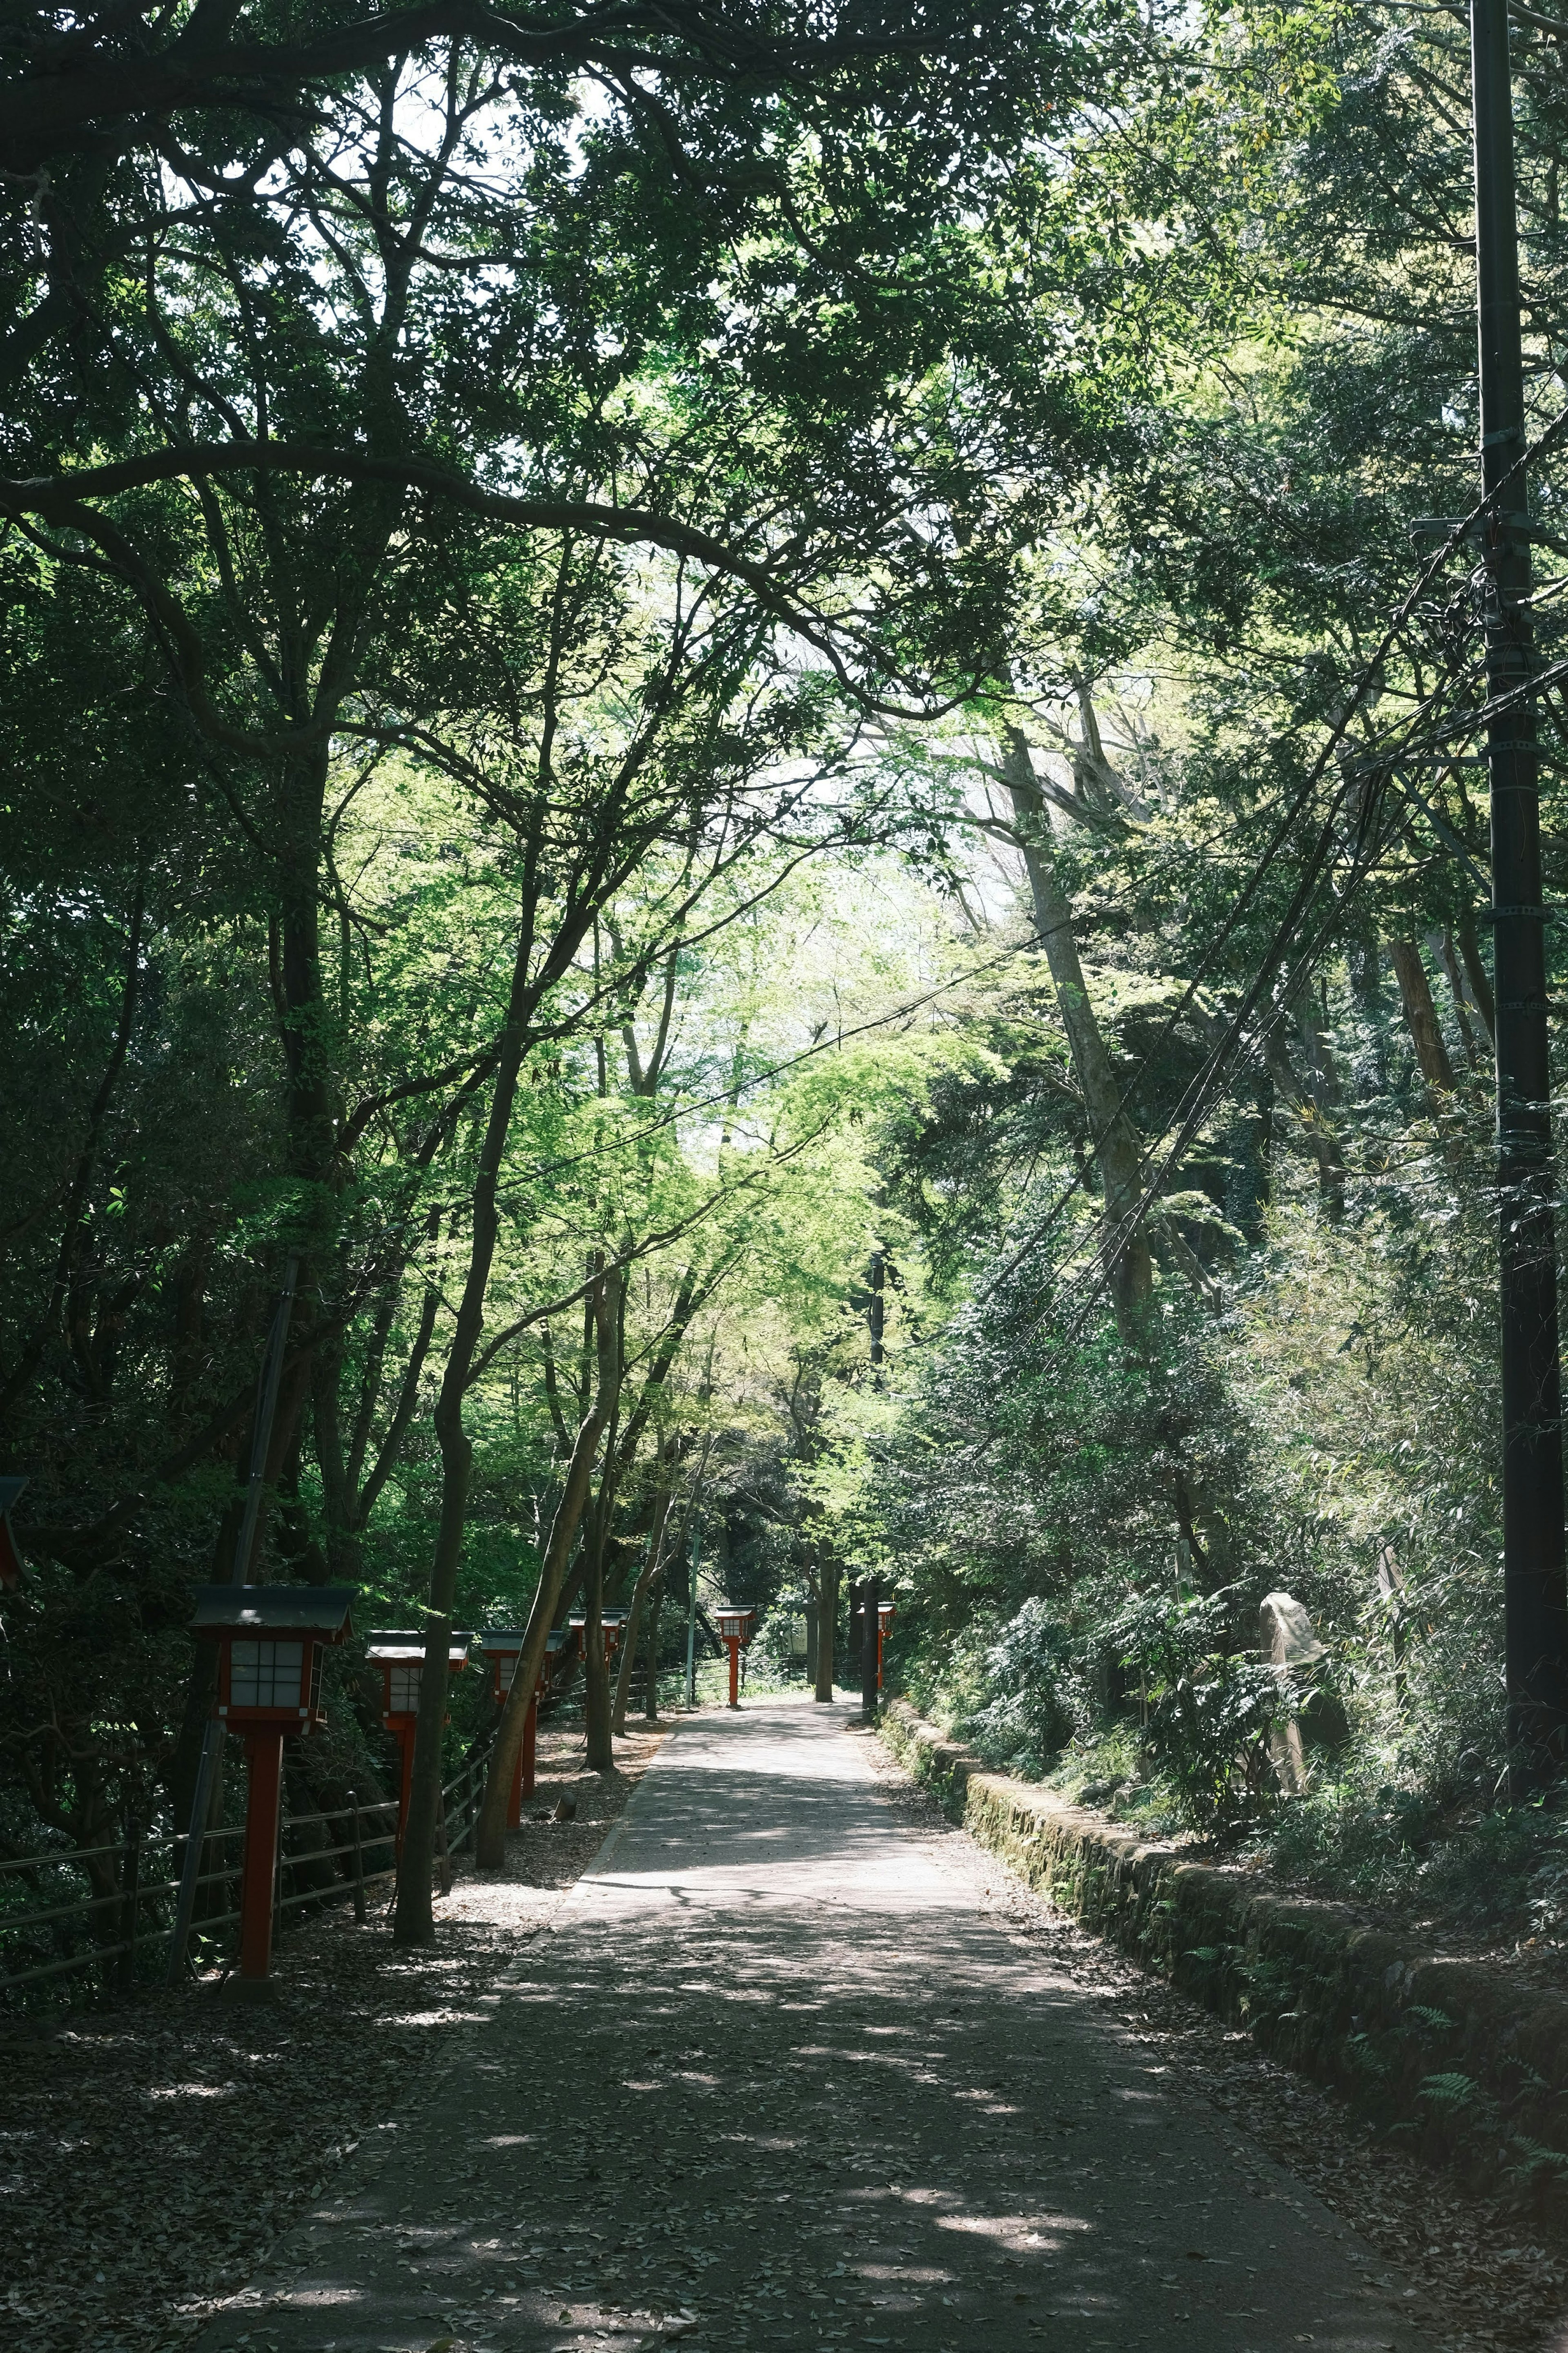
[443, 1858]
[734, 1647]
[128, 1907]
[262, 1813]
[530, 1745]
[405, 1756]
[358, 1858]
[826, 1620]
[870, 1624]
[281, 1860]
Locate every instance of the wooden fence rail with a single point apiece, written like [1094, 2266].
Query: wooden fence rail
[371, 1824]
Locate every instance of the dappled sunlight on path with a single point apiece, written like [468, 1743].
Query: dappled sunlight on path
[774, 2078]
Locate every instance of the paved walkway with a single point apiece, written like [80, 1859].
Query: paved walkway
[774, 2079]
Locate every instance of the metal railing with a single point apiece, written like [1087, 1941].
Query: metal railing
[339, 1862]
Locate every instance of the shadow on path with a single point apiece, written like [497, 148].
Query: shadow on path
[774, 2080]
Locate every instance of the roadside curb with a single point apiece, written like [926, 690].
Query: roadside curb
[1444, 2053]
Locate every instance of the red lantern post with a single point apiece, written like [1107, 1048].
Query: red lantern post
[399, 1653]
[885, 1613]
[272, 1639]
[503, 1646]
[736, 1627]
[559, 1661]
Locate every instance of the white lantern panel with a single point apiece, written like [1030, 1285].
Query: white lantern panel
[404, 1690]
[265, 1674]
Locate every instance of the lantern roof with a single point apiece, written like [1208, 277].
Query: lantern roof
[503, 1639]
[736, 1610]
[322, 1609]
[556, 1638]
[396, 1646]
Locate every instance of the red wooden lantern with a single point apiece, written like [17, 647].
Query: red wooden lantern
[611, 1625]
[885, 1613]
[736, 1626]
[502, 1646]
[10, 1558]
[272, 1639]
[399, 1653]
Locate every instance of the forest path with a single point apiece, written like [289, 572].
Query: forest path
[774, 2078]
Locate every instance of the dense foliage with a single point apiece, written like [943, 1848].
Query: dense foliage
[734, 719]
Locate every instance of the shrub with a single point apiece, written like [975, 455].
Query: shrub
[1210, 1705]
[1025, 1717]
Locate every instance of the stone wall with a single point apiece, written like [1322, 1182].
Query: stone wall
[1454, 2056]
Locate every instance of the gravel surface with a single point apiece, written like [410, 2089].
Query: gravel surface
[149, 2154]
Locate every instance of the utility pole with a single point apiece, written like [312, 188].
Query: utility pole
[1535, 1597]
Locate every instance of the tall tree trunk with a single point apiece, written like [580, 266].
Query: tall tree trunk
[1464, 1005]
[1364, 966]
[826, 1612]
[1475, 972]
[1116, 1151]
[1318, 1052]
[600, 1743]
[1421, 1016]
[653, 1569]
[1322, 1137]
[415, 1922]
[876, 1308]
[1247, 1187]
[490, 1841]
[650, 1651]
[48, 1322]
[1431, 1049]
[601, 1746]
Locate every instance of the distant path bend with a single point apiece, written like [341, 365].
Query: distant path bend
[777, 2078]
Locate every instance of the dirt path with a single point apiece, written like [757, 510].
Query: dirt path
[1496, 2273]
[151, 2153]
[774, 2076]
